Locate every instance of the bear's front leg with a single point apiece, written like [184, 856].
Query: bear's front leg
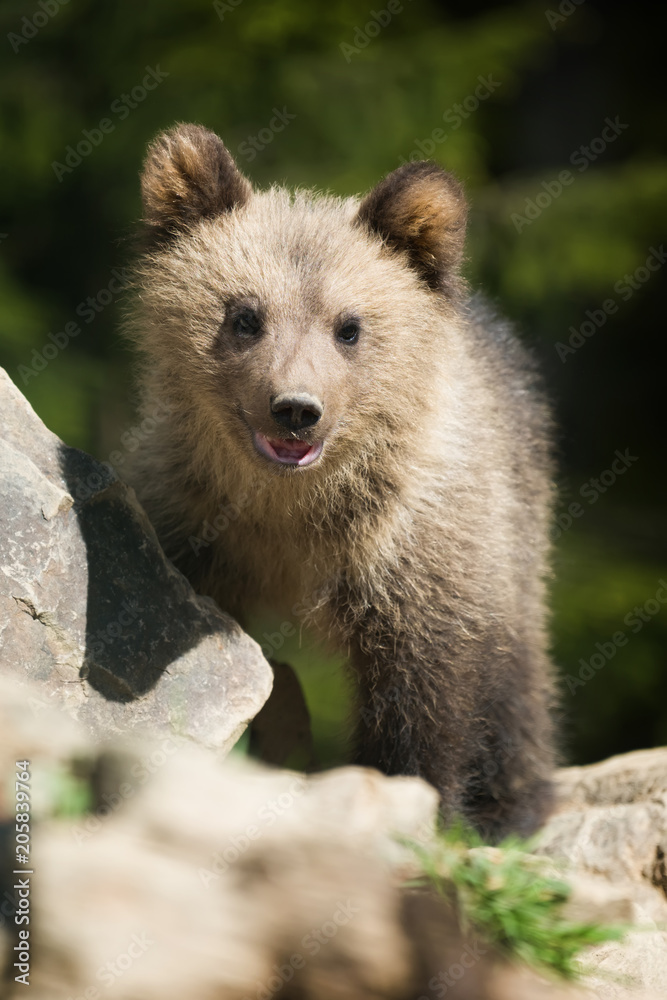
[471, 717]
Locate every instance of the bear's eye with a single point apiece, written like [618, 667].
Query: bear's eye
[246, 323]
[349, 331]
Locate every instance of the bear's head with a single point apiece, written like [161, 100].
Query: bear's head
[299, 332]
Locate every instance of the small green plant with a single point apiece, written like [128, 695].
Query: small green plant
[507, 896]
[62, 790]
[73, 796]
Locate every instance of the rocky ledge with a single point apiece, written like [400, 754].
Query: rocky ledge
[91, 608]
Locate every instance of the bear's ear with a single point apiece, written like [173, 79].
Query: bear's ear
[188, 175]
[421, 210]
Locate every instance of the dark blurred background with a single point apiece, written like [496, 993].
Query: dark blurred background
[509, 97]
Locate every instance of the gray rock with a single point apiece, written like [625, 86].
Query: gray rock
[92, 611]
[609, 833]
[240, 882]
[355, 805]
[197, 878]
[34, 731]
[611, 819]
[225, 879]
[631, 777]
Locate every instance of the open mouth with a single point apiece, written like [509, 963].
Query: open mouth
[288, 452]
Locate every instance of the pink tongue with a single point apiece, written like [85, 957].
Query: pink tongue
[290, 449]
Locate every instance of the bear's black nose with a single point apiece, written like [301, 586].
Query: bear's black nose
[296, 410]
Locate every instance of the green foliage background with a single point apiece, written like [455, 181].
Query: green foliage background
[558, 77]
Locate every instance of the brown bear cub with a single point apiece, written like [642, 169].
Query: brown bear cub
[382, 441]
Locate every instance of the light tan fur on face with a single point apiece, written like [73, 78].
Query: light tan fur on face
[310, 272]
[417, 542]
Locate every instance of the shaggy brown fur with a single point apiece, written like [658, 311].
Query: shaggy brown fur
[417, 540]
